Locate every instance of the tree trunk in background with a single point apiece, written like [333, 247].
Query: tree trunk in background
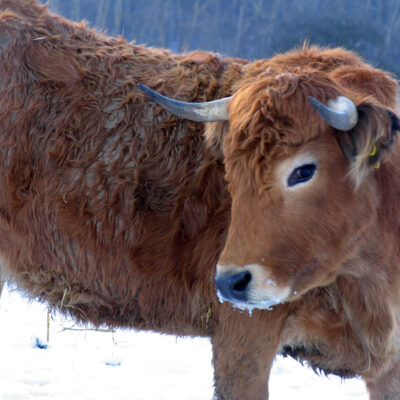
[118, 27]
[102, 13]
[75, 10]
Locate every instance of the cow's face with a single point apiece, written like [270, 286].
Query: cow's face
[298, 214]
[295, 232]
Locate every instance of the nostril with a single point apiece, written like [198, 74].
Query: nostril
[241, 281]
[234, 287]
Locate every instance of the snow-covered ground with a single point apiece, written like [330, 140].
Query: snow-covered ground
[122, 365]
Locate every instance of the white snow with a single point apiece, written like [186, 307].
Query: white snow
[122, 365]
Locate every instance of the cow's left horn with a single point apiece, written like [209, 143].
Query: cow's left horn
[340, 113]
[209, 111]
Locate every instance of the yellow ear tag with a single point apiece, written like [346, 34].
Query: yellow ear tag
[373, 151]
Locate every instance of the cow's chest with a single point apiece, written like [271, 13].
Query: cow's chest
[317, 359]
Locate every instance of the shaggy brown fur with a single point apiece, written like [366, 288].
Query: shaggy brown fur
[111, 209]
[116, 212]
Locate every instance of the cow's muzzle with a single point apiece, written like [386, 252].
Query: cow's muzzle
[250, 286]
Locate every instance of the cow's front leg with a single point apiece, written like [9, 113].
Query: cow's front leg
[244, 348]
[387, 385]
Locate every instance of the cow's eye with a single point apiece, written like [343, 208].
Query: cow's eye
[301, 174]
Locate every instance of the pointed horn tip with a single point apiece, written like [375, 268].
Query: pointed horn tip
[341, 113]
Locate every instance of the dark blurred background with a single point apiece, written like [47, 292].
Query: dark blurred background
[249, 29]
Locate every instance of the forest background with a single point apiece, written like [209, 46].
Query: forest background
[250, 29]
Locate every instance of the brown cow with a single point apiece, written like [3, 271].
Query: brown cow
[115, 212]
[314, 230]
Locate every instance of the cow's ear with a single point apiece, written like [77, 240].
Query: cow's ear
[370, 140]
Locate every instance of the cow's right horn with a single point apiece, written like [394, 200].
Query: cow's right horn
[340, 113]
[209, 111]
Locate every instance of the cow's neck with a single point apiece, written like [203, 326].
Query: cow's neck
[372, 274]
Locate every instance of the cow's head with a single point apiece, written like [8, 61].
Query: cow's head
[300, 152]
